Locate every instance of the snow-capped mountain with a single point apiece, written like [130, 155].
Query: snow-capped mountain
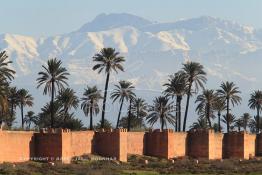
[153, 50]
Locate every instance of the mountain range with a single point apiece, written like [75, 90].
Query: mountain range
[153, 50]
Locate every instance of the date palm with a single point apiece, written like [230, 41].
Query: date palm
[245, 119]
[195, 76]
[177, 87]
[53, 77]
[161, 110]
[229, 93]
[13, 100]
[238, 124]
[90, 102]
[139, 108]
[5, 71]
[255, 102]
[107, 60]
[229, 121]
[68, 99]
[206, 103]
[123, 91]
[219, 107]
[30, 118]
[24, 99]
[201, 123]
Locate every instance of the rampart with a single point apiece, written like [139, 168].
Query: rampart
[64, 145]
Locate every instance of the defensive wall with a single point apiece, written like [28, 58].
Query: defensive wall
[65, 145]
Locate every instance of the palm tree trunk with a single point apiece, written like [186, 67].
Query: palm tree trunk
[208, 117]
[227, 115]
[91, 116]
[179, 113]
[187, 105]
[22, 115]
[52, 103]
[129, 117]
[257, 130]
[162, 124]
[219, 126]
[104, 100]
[119, 113]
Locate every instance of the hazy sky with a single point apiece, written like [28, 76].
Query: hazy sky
[49, 17]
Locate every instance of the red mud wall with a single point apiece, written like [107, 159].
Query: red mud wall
[135, 143]
[112, 144]
[16, 146]
[63, 144]
[166, 144]
[239, 145]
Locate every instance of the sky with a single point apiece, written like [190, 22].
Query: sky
[51, 17]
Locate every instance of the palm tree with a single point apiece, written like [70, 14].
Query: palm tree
[206, 102]
[177, 87]
[68, 99]
[5, 71]
[195, 75]
[30, 118]
[219, 107]
[90, 102]
[139, 108]
[200, 124]
[13, 100]
[229, 93]
[255, 102]
[53, 77]
[108, 60]
[238, 124]
[162, 111]
[45, 115]
[123, 91]
[245, 118]
[229, 121]
[25, 99]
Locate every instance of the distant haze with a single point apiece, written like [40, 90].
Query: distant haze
[227, 49]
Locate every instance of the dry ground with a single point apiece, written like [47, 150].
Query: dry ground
[135, 166]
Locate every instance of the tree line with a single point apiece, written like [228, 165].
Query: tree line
[166, 109]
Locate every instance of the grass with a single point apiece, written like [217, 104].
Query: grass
[135, 166]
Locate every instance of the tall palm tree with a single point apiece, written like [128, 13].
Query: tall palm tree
[255, 102]
[219, 107]
[53, 77]
[229, 121]
[25, 99]
[245, 120]
[177, 87]
[139, 108]
[108, 60]
[206, 102]
[161, 110]
[229, 94]
[13, 100]
[195, 75]
[123, 91]
[30, 118]
[5, 71]
[68, 99]
[90, 102]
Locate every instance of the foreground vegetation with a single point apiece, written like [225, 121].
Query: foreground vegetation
[136, 166]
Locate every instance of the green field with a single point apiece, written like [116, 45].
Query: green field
[135, 166]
